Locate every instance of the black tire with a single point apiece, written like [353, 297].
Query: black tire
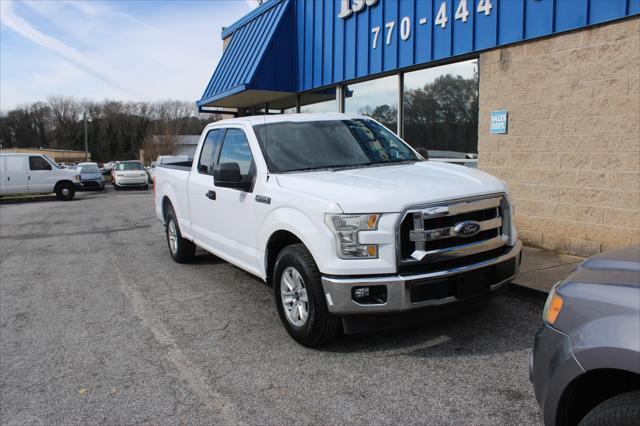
[184, 250]
[65, 191]
[116, 187]
[620, 410]
[320, 325]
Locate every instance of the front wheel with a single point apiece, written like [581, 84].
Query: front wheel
[181, 249]
[620, 410]
[300, 300]
[65, 191]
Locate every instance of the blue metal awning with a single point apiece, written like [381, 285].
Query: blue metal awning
[256, 66]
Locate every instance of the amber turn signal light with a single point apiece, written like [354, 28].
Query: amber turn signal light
[552, 308]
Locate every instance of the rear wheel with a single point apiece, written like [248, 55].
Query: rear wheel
[620, 410]
[300, 300]
[65, 191]
[181, 249]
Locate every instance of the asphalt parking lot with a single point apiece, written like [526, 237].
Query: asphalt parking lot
[99, 325]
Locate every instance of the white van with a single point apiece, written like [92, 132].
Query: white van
[36, 174]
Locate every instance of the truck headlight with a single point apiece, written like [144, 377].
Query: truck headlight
[346, 228]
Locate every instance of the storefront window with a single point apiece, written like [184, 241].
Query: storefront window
[441, 110]
[377, 99]
[319, 101]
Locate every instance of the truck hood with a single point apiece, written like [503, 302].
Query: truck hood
[388, 189]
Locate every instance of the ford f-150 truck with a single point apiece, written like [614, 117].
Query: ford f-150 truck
[342, 218]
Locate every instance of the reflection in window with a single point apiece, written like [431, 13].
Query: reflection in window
[441, 110]
[377, 99]
[235, 149]
[319, 101]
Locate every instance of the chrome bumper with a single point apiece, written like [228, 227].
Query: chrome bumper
[338, 291]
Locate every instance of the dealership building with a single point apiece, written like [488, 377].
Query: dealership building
[544, 94]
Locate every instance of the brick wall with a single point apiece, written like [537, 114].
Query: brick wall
[572, 153]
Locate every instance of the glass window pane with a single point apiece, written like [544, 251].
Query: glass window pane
[39, 163]
[319, 101]
[208, 151]
[235, 149]
[377, 99]
[441, 110]
[308, 145]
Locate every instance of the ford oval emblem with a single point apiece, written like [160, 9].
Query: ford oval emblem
[468, 228]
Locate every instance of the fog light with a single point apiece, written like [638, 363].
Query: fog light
[370, 295]
[360, 292]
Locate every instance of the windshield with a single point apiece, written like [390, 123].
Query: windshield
[311, 145]
[130, 166]
[89, 168]
[52, 162]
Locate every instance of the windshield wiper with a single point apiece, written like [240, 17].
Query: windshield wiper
[331, 167]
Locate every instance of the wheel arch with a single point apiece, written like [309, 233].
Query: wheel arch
[590, 389]
[62, 182]
[276, 242]
[166, 203]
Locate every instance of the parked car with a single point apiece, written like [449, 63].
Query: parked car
[585, 365]
[129, 174]
[345, 220]
[36, 174]
[90, 177]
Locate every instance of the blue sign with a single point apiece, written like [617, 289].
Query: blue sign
[498, 123]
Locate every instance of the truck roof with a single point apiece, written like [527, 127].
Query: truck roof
[279, 118]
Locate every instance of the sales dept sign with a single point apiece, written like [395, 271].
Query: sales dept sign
[498, 122]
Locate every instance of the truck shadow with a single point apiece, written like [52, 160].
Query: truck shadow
[506, 324]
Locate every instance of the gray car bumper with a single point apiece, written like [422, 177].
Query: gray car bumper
[400, 290]
[551, 367]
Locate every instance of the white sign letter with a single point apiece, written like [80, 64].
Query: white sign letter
[345, 9]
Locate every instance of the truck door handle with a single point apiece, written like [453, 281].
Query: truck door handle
[211, 195]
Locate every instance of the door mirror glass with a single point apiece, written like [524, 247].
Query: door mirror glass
[227, 175]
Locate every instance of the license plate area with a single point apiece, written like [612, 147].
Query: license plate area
[474, 283]
[463, 286]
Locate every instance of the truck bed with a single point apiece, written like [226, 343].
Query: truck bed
[172, 179]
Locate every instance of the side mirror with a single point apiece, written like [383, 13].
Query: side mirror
[227, 175]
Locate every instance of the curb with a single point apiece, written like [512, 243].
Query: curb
[527, 292]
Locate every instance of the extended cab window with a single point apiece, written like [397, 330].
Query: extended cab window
[39, 163]
[235, 149]
[209, 148]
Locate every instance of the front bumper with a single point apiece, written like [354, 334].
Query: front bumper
[92, 184]
[132, 181]
[552, 366]
[409, 292]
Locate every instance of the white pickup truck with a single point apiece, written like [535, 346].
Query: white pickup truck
[350, 226]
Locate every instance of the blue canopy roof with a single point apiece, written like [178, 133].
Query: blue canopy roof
[259, 50]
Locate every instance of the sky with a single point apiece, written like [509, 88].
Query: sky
[139, 50]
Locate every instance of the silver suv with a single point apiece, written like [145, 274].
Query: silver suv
[585, 365]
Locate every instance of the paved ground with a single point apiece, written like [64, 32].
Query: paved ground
[541, 269]
[99, 325]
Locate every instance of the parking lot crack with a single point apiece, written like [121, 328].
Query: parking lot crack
[190, 374]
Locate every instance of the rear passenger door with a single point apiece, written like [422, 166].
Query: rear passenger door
[200, 186]
[14, 174]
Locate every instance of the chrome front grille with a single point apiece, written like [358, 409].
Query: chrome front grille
[453, 230]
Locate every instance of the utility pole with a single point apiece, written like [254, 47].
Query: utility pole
[86, 140]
